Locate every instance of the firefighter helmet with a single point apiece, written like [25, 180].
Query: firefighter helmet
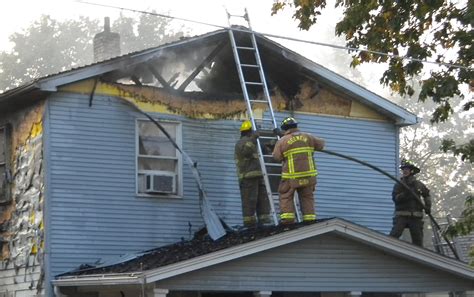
[409, 165]
[288, 123]
[246, 126]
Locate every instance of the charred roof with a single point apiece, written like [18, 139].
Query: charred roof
[200, 245]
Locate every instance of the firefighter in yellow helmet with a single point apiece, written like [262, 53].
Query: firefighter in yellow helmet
[255, 204]
[295, 149]
[408, 209]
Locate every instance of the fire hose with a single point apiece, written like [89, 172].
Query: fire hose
[214, 224]
[408, 189]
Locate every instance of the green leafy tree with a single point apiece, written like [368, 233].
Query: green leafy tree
[448, 177]
[417, 30]
[49, 46]
[440, 30]
[145, 32]
[465, 225]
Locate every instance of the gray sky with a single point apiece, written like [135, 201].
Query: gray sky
[19, 14]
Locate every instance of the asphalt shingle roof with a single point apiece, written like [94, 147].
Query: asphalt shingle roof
[184, 250]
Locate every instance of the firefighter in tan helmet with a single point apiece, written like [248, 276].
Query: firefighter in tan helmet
[255, 204]
[295, 149]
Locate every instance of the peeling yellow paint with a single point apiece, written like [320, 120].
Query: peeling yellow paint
[311, 98]
[29, 125]
[37, 129]
[150, 99]
[26, 169]
[361, 111]
[34, 249]
[32, 218]
[315, 99]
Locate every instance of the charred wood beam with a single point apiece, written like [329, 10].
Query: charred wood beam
[172, 81]
[160, 78]
[136, 80]
[201, 66]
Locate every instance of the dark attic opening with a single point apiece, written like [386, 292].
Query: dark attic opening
[205, 69]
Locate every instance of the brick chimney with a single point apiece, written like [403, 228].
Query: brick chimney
[106, 43]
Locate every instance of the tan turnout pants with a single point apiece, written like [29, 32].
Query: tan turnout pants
[305, 188]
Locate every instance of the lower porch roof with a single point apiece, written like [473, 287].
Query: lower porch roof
[327, 256]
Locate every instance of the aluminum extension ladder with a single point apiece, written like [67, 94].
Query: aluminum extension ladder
[439, 243]
[248, 66]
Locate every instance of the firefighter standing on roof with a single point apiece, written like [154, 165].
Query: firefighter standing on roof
[255, 207]
[409, 209]
[295, 149]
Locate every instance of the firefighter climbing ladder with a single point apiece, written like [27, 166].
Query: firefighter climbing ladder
[267, 120]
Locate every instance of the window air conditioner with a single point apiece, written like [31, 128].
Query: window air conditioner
[160, 183]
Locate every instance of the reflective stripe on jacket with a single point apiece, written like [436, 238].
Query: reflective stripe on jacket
[246, 158]
[296, 150]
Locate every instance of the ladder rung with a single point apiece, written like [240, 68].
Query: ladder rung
[268, 137]
[237, 15]
[249, 48]
[249, 65]
[273, 174]
[273, 164]
[253, 83]
[258, 101]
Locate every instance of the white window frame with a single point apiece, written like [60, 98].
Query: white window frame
[179, 166]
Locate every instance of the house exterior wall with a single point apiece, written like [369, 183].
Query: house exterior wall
[95, 213]
[21, 219]
[327, 263]
[347, 189]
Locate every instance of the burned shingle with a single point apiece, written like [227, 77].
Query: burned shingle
[185, 250]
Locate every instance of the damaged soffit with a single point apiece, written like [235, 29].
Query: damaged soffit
[206, 64]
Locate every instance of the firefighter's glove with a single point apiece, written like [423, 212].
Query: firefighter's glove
[255, 134]
[277, 132]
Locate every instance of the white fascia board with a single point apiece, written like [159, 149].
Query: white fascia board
[194, 263]
[128, 60]
[237, 251]
[403, 249]
[99, 280]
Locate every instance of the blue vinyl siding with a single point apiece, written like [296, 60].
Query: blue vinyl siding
[95, 212]
[326, 263]
[347, 189]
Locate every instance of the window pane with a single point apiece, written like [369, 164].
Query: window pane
[153, 142]
[141, 183]
[157, 164]
[3, 181]
[2, 146]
